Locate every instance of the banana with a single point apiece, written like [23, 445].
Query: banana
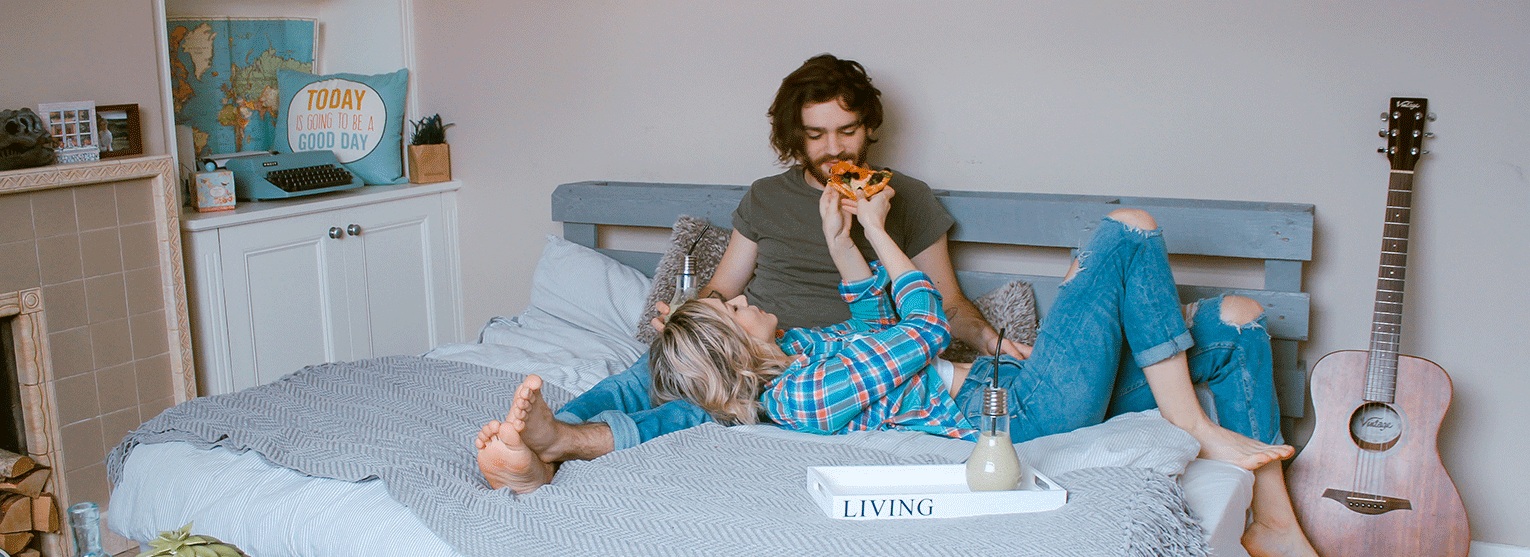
[203, 551]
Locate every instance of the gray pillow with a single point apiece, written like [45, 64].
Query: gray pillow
[710, 242]
[1011, 308]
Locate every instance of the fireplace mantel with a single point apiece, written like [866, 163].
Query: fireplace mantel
[47, 327]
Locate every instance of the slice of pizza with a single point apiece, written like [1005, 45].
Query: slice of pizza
[855, 181]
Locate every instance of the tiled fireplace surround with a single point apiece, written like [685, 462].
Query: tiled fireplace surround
[91, 285]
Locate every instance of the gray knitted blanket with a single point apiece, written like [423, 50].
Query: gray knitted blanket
[709, 490]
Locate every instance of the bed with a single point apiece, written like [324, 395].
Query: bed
[374, 457]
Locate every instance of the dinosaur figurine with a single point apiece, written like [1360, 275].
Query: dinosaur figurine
[24, 140]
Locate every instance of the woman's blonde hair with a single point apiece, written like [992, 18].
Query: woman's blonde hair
[704, 357]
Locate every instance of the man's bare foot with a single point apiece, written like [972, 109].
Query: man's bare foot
[539, 430]
[553, 440]
[1263, 540]
[506, 462]
[1219, 443]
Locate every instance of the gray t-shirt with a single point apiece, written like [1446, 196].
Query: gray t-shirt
[794, 277]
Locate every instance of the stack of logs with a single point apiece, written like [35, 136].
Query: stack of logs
[25, 510]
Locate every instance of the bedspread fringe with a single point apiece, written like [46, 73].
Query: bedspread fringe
[1162, 522]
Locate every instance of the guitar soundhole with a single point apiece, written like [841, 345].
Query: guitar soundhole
[1375, 426]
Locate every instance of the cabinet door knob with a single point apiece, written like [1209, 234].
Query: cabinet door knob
[335, 232]
[354, 230]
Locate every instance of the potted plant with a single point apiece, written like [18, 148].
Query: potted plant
[430, 157]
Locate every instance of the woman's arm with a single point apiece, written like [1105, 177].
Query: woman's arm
[841, 379]
[872, 213]
[836, 234]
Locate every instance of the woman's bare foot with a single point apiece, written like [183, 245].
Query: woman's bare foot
[506, 462]
[1219, 443]
[1262, 540]
[1274, 530]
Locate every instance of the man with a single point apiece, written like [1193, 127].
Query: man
[824, 112]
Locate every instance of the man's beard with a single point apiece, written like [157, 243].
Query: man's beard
[815, 169]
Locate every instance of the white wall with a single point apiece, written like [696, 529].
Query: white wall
[1236, 100]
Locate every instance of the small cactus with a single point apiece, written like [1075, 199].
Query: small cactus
[180, 543]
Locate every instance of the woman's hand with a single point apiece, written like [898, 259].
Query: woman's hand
[836, 218]
[872, 212]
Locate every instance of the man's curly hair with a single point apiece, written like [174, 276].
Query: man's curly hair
[822, 78]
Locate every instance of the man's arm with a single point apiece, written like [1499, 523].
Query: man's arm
[967, 323]
[734, 269]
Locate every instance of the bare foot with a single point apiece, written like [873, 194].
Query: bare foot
[1219, 443]
[1263, 540]
[506, 462]
[551, 439]
[539, 430]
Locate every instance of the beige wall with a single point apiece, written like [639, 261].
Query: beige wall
[1237, 100]
[85, 50]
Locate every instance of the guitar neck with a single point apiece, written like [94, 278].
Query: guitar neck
[1404, 133]
[1386, 319]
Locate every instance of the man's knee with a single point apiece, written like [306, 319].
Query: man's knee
[1237, 310]
[1135, 218]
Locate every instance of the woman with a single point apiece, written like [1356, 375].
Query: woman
[1115, 341]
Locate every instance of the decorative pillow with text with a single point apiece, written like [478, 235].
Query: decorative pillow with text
[359, 117]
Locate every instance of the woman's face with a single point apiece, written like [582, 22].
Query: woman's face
[755, 321]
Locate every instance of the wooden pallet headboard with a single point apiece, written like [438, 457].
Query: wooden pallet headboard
[1278, 234]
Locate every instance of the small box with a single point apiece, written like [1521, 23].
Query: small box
[934, 491]
[213, 191]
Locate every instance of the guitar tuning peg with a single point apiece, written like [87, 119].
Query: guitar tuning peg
[1424, 152]
[1382, 133]
[1383, 116]
[1428, 134]
[1431, 117]
[1382, 150]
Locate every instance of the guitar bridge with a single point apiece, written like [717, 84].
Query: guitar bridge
[1366, 503]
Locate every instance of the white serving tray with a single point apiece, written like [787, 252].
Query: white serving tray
[934, 491]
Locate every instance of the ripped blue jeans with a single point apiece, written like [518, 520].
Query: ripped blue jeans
[1119, 313]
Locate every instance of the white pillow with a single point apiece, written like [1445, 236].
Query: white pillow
[584, 288]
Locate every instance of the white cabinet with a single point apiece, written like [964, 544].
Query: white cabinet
[279, 285]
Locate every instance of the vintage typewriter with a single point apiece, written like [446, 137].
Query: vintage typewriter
[283, 175]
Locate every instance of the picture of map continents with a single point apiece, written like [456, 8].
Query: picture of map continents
[223, 77]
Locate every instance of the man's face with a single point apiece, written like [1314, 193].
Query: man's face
[831, 134]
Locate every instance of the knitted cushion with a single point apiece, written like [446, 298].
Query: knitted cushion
[709, 241]
[1012, 308]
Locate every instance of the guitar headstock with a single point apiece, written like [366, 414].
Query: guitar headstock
[1404, 131]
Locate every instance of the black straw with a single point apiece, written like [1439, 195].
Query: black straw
[993, 379]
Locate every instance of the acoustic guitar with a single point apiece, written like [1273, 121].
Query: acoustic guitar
[1370, 480]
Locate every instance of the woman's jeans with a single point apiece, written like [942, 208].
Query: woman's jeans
[1119, 313]
[621, 402]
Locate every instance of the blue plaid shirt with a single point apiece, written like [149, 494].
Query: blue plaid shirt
[873, 371]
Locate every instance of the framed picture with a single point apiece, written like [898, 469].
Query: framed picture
[118, 130]
[73, 125]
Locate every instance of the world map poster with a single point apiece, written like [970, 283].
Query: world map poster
[223, 77]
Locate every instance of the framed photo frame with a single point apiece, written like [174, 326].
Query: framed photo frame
[73, 125]
[118, 130]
